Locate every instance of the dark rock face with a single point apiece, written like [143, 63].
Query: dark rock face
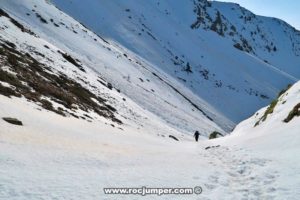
[173, 137]
[209, 147]
[13, 121]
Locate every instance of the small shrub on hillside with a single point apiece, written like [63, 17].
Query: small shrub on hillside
[11, 79]
[8, 91]
[71, 60]
[284, 90]
[270, 109]
[47, 104]
[214, 135]
[295, 112]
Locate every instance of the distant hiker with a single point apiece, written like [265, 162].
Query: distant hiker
[196, 136]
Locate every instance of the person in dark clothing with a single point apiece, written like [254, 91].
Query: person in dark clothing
[196, 135]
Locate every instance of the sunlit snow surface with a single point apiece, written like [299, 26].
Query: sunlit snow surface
[52, 157]
[55, 157]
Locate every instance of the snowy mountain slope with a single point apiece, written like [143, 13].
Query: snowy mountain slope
[272, 40]
[86, 102]
[278, 121]
[140, 95]
[199, 43]
[54, 157]
[275, 137]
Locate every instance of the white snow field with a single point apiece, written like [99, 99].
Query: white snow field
[74, 151]
[53, 157]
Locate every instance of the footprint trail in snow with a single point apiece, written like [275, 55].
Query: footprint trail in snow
[241, 174]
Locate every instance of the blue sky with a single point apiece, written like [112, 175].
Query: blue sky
[287, 10]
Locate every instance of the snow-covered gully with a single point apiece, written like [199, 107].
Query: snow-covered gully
[117, 105]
